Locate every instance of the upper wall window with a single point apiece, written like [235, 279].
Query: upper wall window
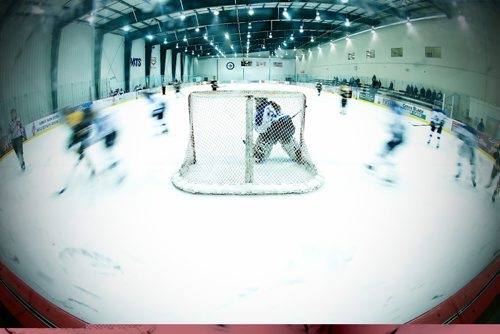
[396, 52]
[370, 54]
[433, 52]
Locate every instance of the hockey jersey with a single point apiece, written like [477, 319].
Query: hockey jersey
[467, 134]
[265, 116]
[438, 116]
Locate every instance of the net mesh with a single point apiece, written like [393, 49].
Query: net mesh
[247, 142]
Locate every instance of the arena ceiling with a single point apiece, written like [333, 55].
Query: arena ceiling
[230, 26]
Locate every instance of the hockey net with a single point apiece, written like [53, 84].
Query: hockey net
[226, 155]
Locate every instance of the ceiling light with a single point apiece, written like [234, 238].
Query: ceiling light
[185, 49]
[318, 18]
[197, 29]
[248, 35]
[177, 45]
[126, 28]
[285, 14]
[164, 41]
[249, 25]
[212, 43]
[312, 39]
[291, 37]
[216, 12]
[150, 37]
[347, 22]
[183, 16]
[263, 46]
[270, 35]
[205, 36]
[344, 1]
[232, 47]
[226, 35]
[373, 29]
[250, 11]
[185, 38]
[192, 52]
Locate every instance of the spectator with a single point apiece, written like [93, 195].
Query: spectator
[422, 93]
[374, 81]
[439, 96]
[428, 95]
[415, 92]
[480, 126]
[391, 86]
[433, 96]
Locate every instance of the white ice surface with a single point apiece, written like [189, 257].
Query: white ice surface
[358, 250]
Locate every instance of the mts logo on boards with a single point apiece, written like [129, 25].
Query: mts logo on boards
[135, 62]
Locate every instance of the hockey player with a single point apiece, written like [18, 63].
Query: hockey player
[468, 135]
[346, 93]
[17, 135]
[214, 85]
[494, 173]
[159, 108]
[80, 122]
[319, 87]
[177, 87]
[273, 126]
[438, 118]
[397, 131]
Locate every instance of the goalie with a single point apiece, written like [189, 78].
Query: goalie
[273, 126]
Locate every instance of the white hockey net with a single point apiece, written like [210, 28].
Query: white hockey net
[226, 155]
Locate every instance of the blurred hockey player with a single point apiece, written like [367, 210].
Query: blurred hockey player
[397, 131]
[159, 106]
[273, 126]
[467, 150]
[438, 117]
[214, 85]
[90, 125]
[494, 172]
[346, 93]
[319, 87]
[80, 122]
[177, 88]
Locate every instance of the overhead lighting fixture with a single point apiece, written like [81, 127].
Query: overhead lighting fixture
[270, 35]
[205, 36]
[347, 37]
[164, 41]
[248, 35]
[126, 28]
[249, 25]
[312, 39]
[197, 29]
[212, 43]
[150, 37]
[250, 11]
[177, 45]
[347, 22]
[291, 37]
[226, 35]
[344, 1]
[301, 29]
[183, 16]
[232, 47]
[185, 49]
[408, 21]
[185, 38]
[373, 29]
[216, 12]
[192, 52]
[318, 17]
[285, 14]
